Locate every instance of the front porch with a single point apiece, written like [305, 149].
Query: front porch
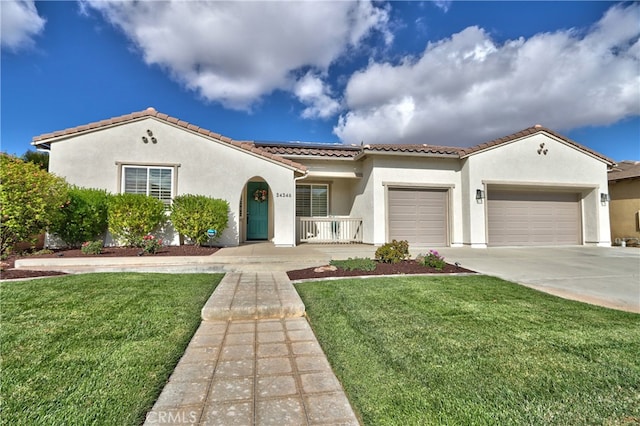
[329, 229]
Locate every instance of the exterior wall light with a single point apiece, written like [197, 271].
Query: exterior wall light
[479, 195]
[145, 140]
[604, 198]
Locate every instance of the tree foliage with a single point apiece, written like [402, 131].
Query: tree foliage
[84, 218]
[30, 200]
[193, 215]
[41, 159]
[132, 216]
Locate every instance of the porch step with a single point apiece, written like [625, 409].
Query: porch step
[253, 295]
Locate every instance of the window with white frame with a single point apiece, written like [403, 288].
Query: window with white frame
[312, 200]
[156, 182]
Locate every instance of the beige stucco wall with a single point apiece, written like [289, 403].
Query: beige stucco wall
[363, 201]
[624, 208]
[390, 171]
[519, 165]
[204, 166]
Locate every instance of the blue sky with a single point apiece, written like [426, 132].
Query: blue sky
[443, 73]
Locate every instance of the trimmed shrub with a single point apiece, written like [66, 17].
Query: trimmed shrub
[132, 216]
[193, 215]
[393, 252]
[84, 218]
[30, 200]
[355, 264]
[91, 247]
[433, 259]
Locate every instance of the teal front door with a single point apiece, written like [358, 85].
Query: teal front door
[257, 211]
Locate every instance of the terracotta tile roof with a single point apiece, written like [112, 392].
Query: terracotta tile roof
[625, 170]
[310, 150]
[352, 151]
[151, 112]
[415, 149]
[464, 152]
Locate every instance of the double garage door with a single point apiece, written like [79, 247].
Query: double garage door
[418, 216]
[514, 218]
[533, 218]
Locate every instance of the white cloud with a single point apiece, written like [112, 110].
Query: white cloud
[311, 90]
[467, 88]
[20, 23]
[236, 52]
[443, 4]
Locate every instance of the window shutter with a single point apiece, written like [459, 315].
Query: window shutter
[319, 202]
[135, 180]
[303, 200]
[160, 184]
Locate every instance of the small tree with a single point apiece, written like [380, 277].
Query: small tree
[41, 159]
[132, 216]
[84, 218]
[30, 200]
[193, 215]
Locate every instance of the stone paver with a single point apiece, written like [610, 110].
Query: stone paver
[253, 295]
[241, 368]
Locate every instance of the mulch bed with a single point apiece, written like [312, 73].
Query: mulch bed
[405, 267]
[8, 273]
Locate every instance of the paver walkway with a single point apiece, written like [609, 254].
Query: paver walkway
[253, 361]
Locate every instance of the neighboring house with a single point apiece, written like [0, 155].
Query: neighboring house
[624, 207]
[534, 187]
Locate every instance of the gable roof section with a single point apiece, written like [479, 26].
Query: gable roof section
[624, 170]
[48, 138]
[465, 152]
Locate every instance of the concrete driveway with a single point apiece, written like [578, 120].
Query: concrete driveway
[607, 276]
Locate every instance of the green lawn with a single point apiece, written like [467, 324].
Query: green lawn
[94, 348]
[475, 350]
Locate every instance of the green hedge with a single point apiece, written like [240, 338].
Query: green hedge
[193, 215]
[30, 200]
[84, 218]
[132, 216]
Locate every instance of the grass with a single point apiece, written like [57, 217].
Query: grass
[94, 348]
[475, 350]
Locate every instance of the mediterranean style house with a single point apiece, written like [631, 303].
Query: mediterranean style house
[534, 187]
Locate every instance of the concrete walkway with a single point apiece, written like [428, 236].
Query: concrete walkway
[253, 361]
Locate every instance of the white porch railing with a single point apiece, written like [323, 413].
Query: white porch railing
[331, 229]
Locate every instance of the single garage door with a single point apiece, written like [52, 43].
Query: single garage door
[418, 216]
[530, 218]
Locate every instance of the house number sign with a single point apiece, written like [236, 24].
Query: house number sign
[283, 194]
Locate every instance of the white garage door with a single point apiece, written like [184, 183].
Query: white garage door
[418, 216]
[529, 218]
